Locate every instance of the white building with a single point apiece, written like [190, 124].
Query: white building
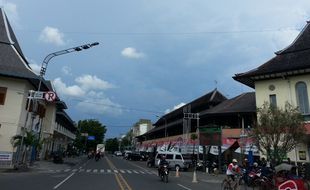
[286, 78]
[16, 80]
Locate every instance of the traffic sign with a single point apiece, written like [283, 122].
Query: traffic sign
[91, 138]
[50, 96]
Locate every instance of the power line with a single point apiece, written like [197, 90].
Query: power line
[175, 33]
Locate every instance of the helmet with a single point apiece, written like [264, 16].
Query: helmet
[255, 164]
[234, 160]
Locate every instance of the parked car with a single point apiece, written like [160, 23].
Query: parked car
[134, 156]
[175, 159]
[118, 153]
[58, 157]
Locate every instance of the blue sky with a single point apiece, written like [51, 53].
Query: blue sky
[153, 55]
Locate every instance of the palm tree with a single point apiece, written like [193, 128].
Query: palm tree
[29, 140]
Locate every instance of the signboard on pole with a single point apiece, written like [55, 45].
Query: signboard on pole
[91, 138]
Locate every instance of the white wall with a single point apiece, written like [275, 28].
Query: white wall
[285, 92]
[13, 112]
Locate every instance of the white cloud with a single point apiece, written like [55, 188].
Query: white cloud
[132, 53]
[66, 70]
[11, 11]
[63, 89]
[175, 107]
[52, 35]
[100, 105]
[35, 67]
[88, 82]
[92, 100]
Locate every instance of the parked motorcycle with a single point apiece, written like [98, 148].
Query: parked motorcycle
[164, 172]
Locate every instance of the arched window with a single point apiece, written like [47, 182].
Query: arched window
[302, 97]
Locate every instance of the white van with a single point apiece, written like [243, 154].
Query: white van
[175, 159]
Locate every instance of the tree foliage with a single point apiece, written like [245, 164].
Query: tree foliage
[112, 145]
[93, 128]
[30, 139]
[126, 141]
[278, 131]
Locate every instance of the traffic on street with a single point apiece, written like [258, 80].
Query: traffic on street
[110, 172]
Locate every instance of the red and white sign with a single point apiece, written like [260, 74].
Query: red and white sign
[50, 96]
[288, 185]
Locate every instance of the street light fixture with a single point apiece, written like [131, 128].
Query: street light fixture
[57, 53]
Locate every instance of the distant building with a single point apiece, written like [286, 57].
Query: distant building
[141, 127]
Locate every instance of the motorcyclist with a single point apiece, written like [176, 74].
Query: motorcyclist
[161, 162]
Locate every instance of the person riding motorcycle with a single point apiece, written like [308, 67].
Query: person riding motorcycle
[233, 170]
[161, 163]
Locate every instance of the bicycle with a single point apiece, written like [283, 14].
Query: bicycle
[229, 184]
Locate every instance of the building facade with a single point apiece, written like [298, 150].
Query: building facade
[19, 110]
[286, 78]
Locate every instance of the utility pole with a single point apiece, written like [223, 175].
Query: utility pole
[190, 116]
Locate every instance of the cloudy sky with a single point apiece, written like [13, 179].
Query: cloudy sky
[154, 55]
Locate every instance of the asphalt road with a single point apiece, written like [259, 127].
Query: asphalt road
[110, 173]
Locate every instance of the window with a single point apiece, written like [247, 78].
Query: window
[273, 100]
[2, 95]
[169, 156]
[302, 97]
[178, 157]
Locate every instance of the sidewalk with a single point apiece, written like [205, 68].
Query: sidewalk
[46, 165]
[68, 163]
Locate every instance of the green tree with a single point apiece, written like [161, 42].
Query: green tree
[93, 128]
[30, 139]
[278, 131]
[126, 142]
[112, 144]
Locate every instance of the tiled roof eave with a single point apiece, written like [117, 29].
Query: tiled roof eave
[249, 79]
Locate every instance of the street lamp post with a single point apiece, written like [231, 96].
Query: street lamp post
[42, 73]
[57, 53]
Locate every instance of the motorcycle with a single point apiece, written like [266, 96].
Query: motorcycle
[254, 178]
[97, 157]
[164, 172]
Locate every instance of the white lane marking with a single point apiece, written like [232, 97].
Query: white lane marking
[82, 170]
[128, 171]
[88, 170]
[115, 171]
[184, 187]
[109, 171]
[75, 170]
[211, 181]
[122, 171]
[95, 171]
[67, 170]
[142, 172]
[102, 170]
[63, 181]
[134, 171]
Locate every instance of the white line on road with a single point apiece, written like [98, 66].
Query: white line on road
[184, 187]
[102, 170]
[88, 170]
[128, 171]
[67, 170]
[211, 181]
[95, 171]
[63, 181]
